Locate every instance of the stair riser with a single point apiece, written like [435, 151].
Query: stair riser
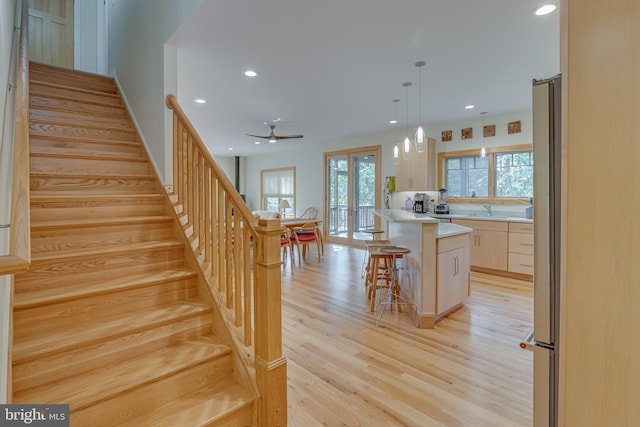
[49, 274]
[59, 242]
[52, 165]
[52, 368]
[82, 185]
[81, 118]
[99, 308]
[64, 146]
[55, 129]
[75, 106]
[69, 211]
[97, 84]
[118, 411]
[59, 92]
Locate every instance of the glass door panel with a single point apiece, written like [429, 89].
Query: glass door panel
[353, 188]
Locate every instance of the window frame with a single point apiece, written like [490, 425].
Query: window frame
[443, 156]
[263, 197]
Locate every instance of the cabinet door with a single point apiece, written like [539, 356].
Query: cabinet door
[447, 267]
[490, 249]
[453, 278]
[419, 172]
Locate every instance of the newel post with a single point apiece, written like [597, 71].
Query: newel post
[271, 366]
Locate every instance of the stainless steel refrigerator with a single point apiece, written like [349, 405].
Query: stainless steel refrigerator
[543, 340]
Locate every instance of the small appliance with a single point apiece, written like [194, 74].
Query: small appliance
[442, 207]
[420, 202]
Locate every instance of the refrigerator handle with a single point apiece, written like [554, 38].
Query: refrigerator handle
[527, 342]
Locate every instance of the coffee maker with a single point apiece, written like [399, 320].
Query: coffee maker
[442, 207]
[420, 202]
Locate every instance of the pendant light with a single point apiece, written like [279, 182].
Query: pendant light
[483, 151]
[396, 146]
[406, 145]
[420, 134]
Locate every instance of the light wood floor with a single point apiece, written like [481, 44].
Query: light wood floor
[344, 371]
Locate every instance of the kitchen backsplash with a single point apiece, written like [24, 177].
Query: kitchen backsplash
[399, 199]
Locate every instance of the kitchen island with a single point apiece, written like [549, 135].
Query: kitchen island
[438, 263]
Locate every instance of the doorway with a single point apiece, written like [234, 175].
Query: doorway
[51, 32]
[352, 193]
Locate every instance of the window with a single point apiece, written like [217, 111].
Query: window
[278, 185]
[505, 172]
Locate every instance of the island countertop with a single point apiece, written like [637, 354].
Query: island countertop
[443, 229]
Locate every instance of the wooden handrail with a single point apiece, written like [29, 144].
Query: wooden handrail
[239, 257]
[19, 257]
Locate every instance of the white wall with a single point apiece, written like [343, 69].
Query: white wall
[137, 33]
[309, 161]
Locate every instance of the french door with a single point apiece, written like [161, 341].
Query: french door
[352, 192]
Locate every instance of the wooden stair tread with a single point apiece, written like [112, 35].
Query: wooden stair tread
[71, 155]
[82, 125]
[108, 285]
[56, 103]
[86, 75]
[90, 253]
[203, 407]
[89, 197]
[73, 89]
[92, 222]
[90, 176]
[87, 140]
[108, 381]
[27, 345]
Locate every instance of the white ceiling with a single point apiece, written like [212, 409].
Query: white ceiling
[330, 69]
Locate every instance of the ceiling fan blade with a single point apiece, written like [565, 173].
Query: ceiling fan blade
[289, 136]
[258, 136]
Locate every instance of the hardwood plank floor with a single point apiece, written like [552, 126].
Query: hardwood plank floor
[344, 371]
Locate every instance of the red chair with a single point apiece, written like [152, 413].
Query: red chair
[286, 243]
[304, 236]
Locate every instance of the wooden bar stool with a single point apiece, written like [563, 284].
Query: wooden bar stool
[378, 269]
[375, 232]
[364, 269]
[394, 291]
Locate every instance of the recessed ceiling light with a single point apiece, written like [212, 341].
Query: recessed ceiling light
[200, 101]
[257, 142]
[469, 107]
[250, 73]
[393, 122]
[545, 9]
[230, 148]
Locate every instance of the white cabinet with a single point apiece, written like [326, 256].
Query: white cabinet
[488, 243]
[521, 248]
[418, 173]
[453, 272]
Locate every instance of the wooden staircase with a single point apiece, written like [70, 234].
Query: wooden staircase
[112, 318]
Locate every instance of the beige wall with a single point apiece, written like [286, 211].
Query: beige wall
[601, 309]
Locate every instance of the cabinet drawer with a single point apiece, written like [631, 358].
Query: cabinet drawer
[448, 243]
[521, 227]
[483, 224]
[520, 263]
[521, 243]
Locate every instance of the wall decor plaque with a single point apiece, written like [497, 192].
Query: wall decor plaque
[466, 133]
[489, 130]
[514, 127]
[447, 135]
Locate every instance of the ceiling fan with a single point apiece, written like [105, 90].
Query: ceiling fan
[272, 137]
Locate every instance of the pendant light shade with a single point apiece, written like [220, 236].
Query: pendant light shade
[396, 147]
[420, 133]
[406, 145]
[483, 151]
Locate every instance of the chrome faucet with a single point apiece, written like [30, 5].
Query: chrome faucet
[488, 208]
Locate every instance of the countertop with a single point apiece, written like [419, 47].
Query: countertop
[443, 229]
[481, 217]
